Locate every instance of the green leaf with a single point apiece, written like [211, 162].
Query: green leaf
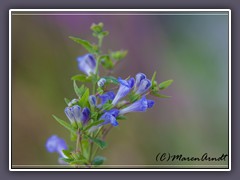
[67, 101]
[64, 124]
[111, 79]
[106, 62]
[159, 95]
[82, 78]
[84, 99]
[118, 55]
[87, 45]
[93, 124]
[98, 160]
[67, 153]
[165, 84]
[100, 143]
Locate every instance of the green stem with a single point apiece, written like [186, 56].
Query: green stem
[100, 39]
[78, 140]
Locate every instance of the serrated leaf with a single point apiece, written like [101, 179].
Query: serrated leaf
[111, 79]
[98, 160]
[100, 143]
[93, 124]
[87, 45]
[64, 124]
[159, 95]
[82, 78]
[84, 99]
[165, 84]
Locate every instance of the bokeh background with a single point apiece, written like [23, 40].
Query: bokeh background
[190, 49]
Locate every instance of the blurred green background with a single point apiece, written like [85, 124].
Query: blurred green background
[190, 49]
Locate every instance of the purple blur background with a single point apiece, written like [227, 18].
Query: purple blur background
[192, 50]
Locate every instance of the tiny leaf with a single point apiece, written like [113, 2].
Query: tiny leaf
[159, 95]
[67, 101]
[165, 84]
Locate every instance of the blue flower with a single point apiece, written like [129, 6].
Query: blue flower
[101, 82]
[85, 115]
[142, 83]
[73, 113]
[139, 78]
[124, 89]
[87, 64]
[108, 96]
[109, 117]
[138, 106]
[56, 144]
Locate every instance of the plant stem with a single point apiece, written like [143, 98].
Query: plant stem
[78, 140]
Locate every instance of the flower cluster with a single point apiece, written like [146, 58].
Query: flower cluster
[92, 115]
